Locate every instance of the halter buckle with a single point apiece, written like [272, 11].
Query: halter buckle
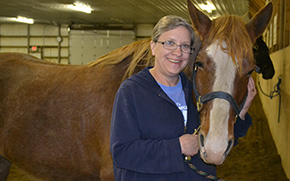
[236, 117]
[199, 104]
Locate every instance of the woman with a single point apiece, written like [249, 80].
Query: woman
[152, 108]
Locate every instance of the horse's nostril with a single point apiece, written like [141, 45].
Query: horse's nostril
[201, 142]
[201, 139]
[230, 144]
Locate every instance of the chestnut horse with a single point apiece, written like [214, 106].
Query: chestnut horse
[223, 66]
[55, 119]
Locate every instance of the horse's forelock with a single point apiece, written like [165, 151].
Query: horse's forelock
[232, 31]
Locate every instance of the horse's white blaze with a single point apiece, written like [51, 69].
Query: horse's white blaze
[217, 138]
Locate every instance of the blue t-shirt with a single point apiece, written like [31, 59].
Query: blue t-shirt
[176, 94]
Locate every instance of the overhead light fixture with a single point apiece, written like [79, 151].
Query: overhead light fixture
[78, 6]
[19, 19]
[22, 19]
[209, 7]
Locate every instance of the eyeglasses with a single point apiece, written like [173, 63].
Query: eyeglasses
[171, 45]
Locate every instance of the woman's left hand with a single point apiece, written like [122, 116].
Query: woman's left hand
[251, 95]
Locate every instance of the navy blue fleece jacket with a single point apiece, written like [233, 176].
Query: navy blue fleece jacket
[145, 129]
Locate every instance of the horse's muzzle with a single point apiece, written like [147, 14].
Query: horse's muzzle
[211, 154]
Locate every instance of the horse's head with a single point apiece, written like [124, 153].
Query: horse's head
[221, 75]
[263, 60]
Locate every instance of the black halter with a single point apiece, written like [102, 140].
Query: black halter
[200, 100]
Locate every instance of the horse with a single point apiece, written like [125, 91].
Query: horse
[263, 61]
[223, 66]
[55, 119]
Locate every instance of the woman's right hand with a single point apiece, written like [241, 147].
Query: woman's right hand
[189, 144]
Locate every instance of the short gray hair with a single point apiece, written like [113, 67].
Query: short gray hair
[170, 22]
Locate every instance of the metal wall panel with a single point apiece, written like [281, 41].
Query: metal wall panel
[21, 37]
[87, 46]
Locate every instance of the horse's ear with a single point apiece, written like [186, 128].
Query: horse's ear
[201, 23]
[260, 21]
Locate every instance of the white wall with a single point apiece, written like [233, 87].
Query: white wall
[21, 37]
[144, 31]
[77, 46]
[87, 46]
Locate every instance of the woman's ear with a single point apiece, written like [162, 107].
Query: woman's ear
[152, 46]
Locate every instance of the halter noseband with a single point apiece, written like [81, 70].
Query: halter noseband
[200, 100]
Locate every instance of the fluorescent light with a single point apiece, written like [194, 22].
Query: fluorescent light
[22, 19]
[19, 19]
[209, 7]
[78, 6]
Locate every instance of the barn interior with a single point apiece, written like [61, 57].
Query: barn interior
[58, 31]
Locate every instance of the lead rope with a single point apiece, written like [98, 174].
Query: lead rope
[200, 172]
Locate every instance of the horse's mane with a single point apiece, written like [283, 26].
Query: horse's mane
[139, 51]
[231, 30]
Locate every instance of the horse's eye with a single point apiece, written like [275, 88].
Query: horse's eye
[250, 73]
[198, 64]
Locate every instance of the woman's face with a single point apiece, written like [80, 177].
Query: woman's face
[171, 62]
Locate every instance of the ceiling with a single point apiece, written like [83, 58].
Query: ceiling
[115, 13]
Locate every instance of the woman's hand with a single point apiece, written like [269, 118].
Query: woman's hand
[189, 144]
[251, 95]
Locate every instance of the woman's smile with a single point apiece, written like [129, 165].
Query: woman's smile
[174, 61]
